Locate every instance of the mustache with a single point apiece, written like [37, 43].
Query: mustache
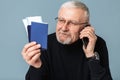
[65, 33]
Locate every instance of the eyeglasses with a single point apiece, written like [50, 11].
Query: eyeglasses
[62, 21]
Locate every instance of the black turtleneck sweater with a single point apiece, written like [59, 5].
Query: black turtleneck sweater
[68, 62]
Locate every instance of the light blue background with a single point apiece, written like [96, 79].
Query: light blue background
[105, 17]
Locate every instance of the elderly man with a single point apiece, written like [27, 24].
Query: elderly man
[67, 56]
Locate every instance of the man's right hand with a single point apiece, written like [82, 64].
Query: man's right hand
[31, 54]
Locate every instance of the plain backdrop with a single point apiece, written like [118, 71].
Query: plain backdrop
[105, 17]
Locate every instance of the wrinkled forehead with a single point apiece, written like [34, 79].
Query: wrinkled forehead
[72, 13]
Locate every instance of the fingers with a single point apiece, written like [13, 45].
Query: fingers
[88, 32]
[31, 53]
[34, 59]
[33, 47]
[27, 46]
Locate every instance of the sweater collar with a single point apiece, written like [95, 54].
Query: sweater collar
[73, 45]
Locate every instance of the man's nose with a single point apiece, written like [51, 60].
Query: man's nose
[65, 27]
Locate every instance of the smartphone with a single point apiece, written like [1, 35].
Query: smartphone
[85, 40]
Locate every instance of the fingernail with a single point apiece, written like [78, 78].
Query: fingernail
[34, 42]
[38, 45]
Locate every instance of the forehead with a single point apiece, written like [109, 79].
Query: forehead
[71, 13]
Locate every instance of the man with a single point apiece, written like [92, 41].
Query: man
[67, 57]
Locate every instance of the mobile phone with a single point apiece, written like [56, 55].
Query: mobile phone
[85, 40]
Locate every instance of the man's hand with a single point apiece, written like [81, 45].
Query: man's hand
[31, 54]
[90, 34]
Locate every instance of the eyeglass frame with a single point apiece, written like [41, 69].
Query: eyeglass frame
[62, 21]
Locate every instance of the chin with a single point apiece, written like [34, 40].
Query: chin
[64, 41]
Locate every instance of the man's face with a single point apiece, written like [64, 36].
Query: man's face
[70, 22]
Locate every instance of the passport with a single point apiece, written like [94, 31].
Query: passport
[38, 32]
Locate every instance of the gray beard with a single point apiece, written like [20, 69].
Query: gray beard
[67, 41]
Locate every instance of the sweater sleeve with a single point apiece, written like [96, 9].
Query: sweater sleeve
[99, 70]
[38, 73]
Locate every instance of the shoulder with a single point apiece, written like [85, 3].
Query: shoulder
[100, 44]
[52, 37]
[100, 40]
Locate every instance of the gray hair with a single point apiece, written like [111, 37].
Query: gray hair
[76, 4]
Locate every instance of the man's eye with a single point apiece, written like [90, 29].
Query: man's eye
[72, 23]
[60, 20]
